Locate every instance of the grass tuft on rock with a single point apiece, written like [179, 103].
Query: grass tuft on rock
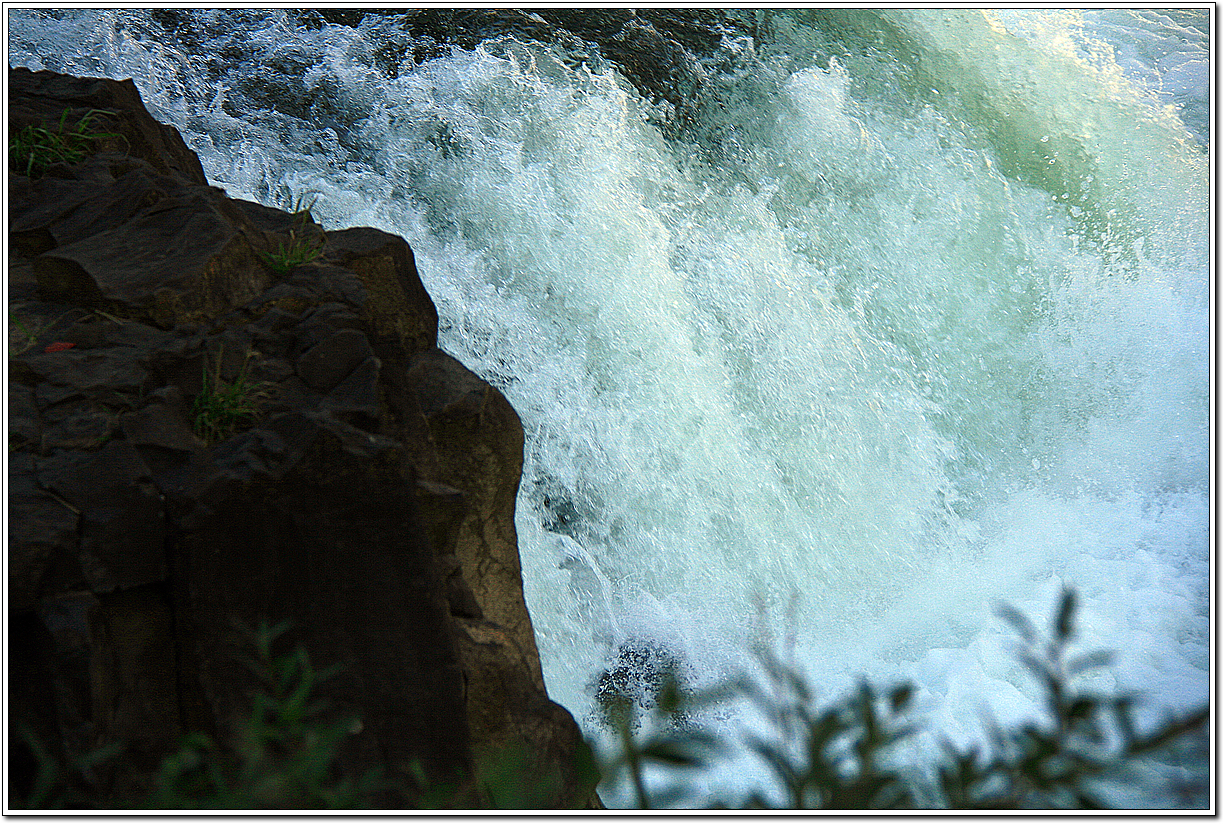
[221, 408]
[34, 149]
[300, 247]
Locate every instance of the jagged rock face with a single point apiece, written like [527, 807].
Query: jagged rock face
[367, 496]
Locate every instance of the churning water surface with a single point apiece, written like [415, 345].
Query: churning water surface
[912, 318]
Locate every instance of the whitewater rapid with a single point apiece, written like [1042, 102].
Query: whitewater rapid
[892, 334]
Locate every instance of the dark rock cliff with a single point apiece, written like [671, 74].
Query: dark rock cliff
[365, 493]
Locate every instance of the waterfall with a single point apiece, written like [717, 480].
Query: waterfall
[909, 318]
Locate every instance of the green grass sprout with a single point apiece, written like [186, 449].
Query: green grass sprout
[299, 248]
[221, 409]
[34, 149]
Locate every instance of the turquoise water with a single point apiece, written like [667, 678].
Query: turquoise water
[912, 320]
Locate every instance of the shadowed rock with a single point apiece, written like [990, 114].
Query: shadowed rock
[364, 492]
[189, 256]
[42, 98]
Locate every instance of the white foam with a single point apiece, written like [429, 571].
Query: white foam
[878, 364]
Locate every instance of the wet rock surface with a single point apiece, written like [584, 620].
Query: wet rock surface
[361, 488]
[657, 50]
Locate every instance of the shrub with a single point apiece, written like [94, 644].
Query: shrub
[842, 756]
[283, 757]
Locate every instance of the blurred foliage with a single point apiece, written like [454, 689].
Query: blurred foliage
[843, 756]
[1084, 740]
[58, 786]
[283, 756]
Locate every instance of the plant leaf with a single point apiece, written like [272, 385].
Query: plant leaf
[1065, 621]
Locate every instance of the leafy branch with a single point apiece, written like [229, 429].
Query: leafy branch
[842, 756]
[283, 756]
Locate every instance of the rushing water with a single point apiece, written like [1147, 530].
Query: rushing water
[911, 319]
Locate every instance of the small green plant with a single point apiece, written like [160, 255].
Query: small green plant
[292, 253]
[221, 409]
[300, 247]
[283, 756]
[33, 149]
[26, 337]
[57, 786]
